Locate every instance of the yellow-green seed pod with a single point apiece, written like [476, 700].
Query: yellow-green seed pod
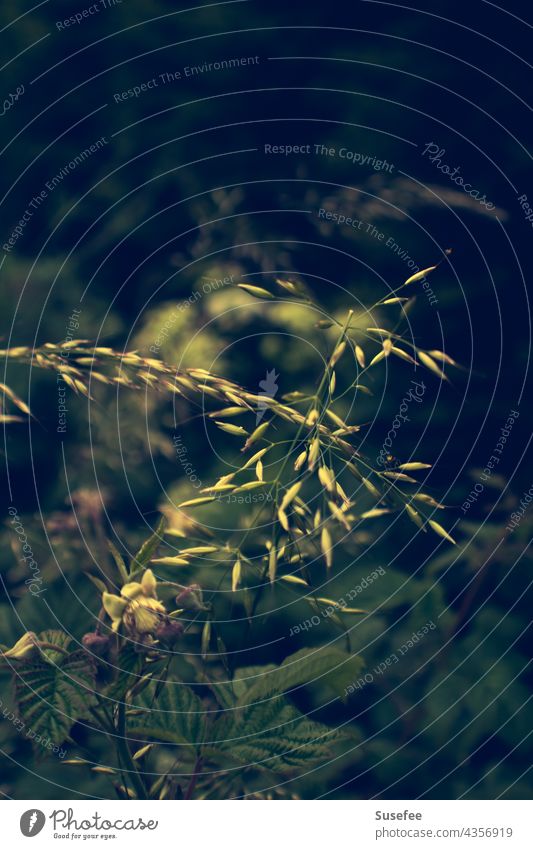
[256, 291]
[300, 460]
[236, 575]
[441, 532]
[326, 478]
[255, 458]
[272, 564]
[431, 364]
[314, 452]
[206, 638]
[403, 355]
[337, 354]
[419, 275]
[326, 546]
[291, 493]
[256, 434]
[371, 488]
[235, 430]
[196, 502]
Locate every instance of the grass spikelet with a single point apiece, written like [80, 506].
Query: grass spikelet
[377, 359]
[441, 531]
[415, 516]
[227, 413]
[293, 579]
[326, 547]
[428, 499]
[255, 435]
[235, 430]
[272, 564]
[337, 513]
[291, 493]
[326, 478]
[398, 476]
[419, 275]
[373, 490]
[236, 575]
[300, 460]
[337, 354]
[255, 458]
[430, 364]
[196, 502]
[256, 291]
[251, 485]
[314, 452]
[444, 358]
[403, 355]
[171, 561]
[335, 418]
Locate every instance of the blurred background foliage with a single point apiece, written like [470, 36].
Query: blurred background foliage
[182, 193]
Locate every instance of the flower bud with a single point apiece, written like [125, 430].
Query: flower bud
[24, 649]
[97, 644]
[190, 598]
[169, 630]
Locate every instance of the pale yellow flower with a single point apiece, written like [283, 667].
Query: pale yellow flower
[136, 606]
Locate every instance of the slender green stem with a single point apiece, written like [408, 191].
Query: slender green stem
[124, 749]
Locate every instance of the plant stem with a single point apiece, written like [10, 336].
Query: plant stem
[194, 778]
[125, 753]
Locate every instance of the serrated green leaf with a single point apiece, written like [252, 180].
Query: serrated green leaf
[55, 638]
[176, 715]
[272, 736]
[51, 698]
[327, 664]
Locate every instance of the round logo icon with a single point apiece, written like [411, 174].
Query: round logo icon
[32, 822]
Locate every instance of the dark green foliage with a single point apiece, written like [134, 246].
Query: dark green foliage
[56, 692]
